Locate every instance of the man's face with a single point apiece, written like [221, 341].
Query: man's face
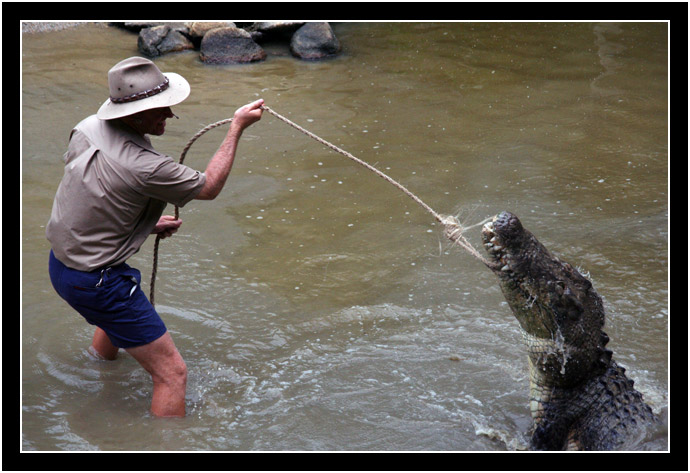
[153, 120]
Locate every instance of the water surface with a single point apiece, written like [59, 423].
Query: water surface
[316, 306]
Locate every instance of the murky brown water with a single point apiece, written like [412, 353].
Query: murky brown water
[316, 306]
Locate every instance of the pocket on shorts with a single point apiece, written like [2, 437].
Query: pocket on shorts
[112, 295]
[119, 289]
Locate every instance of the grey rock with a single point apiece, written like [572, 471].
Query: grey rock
[314, 41]
[229, 46]
[197, 29]
[160, 40]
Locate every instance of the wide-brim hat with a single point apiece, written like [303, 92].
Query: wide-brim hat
[136, 84]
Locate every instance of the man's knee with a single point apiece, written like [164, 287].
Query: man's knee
[162, 360]
[181, 372]
[175, 373]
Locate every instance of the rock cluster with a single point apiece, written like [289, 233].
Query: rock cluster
[235, 43]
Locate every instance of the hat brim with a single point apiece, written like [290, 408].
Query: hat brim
[177, 91]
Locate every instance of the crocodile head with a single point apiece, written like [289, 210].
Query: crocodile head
[561, 314]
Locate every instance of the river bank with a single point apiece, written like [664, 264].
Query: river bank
[45, 26]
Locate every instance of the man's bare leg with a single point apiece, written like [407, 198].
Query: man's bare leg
[102, 347]
[169, 372]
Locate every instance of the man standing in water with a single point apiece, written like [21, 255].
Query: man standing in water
[110, 199]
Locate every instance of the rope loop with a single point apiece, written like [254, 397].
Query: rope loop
[198, 135]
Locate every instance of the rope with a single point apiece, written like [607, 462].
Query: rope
[453, 230]
[177, 209]
[358, 161]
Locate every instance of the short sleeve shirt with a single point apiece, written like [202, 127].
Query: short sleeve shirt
[114, 190]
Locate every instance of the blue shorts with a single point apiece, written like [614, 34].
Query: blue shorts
[111, 299]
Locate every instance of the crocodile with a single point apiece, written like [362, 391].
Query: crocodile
[580, 398]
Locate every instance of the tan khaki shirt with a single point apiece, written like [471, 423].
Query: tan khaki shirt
[112, 194]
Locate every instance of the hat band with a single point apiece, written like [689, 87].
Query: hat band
[142, 95]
